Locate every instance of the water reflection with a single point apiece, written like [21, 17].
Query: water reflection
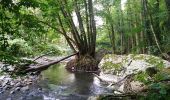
[83, 83]
[64, 83]
[59, 84]
[58, 75]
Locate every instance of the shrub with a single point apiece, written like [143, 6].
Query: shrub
[19, 47]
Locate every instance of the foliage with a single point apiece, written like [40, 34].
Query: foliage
[47, 48]
[155, 79]
[21, 32]
[103, 41]
[19, 47]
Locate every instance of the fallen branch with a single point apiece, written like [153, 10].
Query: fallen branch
[45, 66]
[114, 96]
[129, 75]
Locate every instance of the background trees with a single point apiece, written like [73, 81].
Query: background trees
[139, 26]
[40, 26]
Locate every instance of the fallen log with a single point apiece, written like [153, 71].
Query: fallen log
[45, 66]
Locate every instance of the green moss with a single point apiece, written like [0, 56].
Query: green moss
[110, 65]
[132, 56]
[109, 56]
[139, 57]
[157, 62]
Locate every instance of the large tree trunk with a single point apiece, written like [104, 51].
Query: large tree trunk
[92, 28]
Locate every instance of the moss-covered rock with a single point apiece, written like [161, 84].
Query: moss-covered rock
[128, 64]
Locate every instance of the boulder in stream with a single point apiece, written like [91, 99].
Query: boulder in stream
[123, 65]
[128, 64]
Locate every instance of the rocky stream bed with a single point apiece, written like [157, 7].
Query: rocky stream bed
[57, 83]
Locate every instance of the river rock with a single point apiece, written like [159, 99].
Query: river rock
[2, 77]
[25, 88]
[19, 84]
[17, 88]
[4, 83]
[12, 83]
[93, 98]
[127, 64]
[12, 92]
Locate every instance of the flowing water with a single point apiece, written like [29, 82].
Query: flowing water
[57, 83]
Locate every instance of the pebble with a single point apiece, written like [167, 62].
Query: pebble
[17, 88]
[18, 84]
[4, 83]
[1, 92]
[12, 83]
[29, 83]
[26, 88]
[39, 89]
[12, 92]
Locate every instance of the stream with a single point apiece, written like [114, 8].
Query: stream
[56, 83]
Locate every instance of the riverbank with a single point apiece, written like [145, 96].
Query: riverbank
[57, 83]
[15, 83]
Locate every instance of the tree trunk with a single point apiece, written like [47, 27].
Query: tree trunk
[157, 21]
[168, 8]
[84, 38]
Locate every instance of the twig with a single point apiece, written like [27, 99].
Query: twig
[129, 75]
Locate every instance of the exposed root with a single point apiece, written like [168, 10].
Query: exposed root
[83, 63]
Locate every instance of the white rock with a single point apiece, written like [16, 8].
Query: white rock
[109, 77]
[137, 63]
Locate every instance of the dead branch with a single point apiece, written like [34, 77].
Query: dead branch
[45, 66]
[122, 95]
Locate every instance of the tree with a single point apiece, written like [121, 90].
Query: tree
[81, 38]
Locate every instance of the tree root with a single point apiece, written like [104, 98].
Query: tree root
[83, 64]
